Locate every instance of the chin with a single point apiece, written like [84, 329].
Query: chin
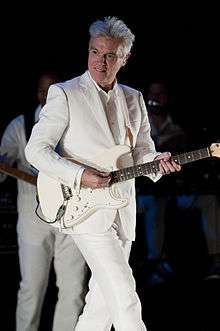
[100, 74]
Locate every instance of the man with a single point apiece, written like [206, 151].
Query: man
[39, 244]
[153, 200]
[168, 135]
[89, 115]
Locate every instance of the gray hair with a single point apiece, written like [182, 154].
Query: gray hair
[112, 27]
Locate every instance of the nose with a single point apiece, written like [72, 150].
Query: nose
[102, 58]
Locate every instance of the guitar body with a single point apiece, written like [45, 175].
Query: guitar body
[62, 204]
[80, 206]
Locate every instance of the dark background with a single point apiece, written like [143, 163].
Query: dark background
[176, 43]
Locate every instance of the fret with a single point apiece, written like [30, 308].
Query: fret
[124, 174]
[121, 175]
[129, 172]
[146, 169]
[191, 156]
[136, 171]
[153, 167]
[204, 153]
[176, 159]
[195, 156]
[139, 170]
[182, 158]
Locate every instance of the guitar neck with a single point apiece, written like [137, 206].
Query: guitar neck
[153, 167]
[16, 173]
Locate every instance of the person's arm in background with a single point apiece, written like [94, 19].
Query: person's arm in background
[145, 148]
[9, 145]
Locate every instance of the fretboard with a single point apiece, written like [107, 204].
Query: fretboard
[153, 167]
[16, 173]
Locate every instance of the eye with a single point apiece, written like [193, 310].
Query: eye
[93, 51]
[111, 56]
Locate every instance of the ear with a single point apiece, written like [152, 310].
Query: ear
[126, 59]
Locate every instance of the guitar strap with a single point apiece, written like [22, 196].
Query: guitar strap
[127, 120]
[130, 137]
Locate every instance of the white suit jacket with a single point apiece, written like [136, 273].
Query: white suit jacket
[74, 117]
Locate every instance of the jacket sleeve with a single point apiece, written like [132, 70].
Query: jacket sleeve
[47, 132]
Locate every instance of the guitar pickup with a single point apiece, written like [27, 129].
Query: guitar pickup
[67, 192]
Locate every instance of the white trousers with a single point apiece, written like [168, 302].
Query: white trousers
[112, 298]
[37, 250]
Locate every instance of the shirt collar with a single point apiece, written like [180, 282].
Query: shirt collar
[113, 91]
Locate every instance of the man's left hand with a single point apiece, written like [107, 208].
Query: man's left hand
[167, 165]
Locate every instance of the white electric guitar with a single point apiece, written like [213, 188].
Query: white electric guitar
[62, 204]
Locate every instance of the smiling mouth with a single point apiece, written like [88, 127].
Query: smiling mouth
[101, 69]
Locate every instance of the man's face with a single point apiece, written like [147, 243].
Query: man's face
[105, 60]
[157, 93]
[157, 100]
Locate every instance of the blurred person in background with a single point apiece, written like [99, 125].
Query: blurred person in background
[39, 245]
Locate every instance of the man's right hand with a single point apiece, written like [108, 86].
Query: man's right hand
[95, 179]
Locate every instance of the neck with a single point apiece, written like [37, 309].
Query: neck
[153, 166]
[106, 87]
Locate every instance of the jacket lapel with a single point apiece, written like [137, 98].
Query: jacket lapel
[92, 98]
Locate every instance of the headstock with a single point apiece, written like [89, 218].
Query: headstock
[215, 149]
